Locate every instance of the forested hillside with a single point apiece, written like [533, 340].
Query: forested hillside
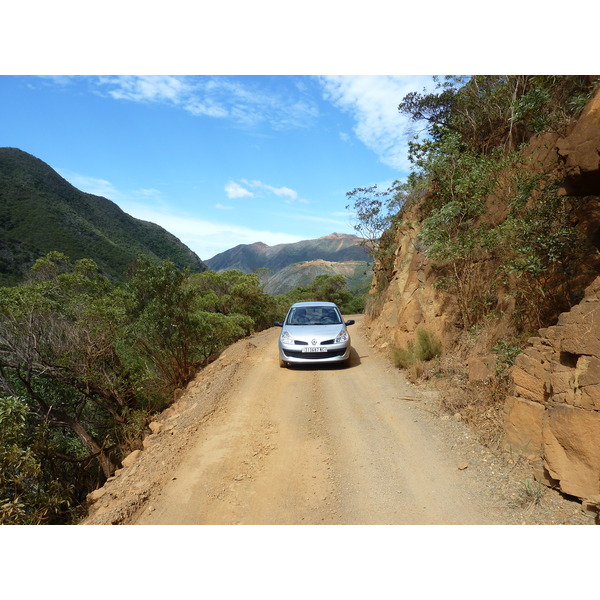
[41, 212]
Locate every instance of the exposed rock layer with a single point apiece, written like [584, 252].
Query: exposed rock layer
[554, 416]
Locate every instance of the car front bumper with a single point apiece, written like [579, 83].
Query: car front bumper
[332, 354]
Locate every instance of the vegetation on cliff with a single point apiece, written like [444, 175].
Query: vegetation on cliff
[492, 219]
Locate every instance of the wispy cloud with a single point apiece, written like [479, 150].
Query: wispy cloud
[206, 238]
[256, 188]
[372, 101]
[243, 101]
[235, 190]
[104, 188]
[91, 185]
[282, 192]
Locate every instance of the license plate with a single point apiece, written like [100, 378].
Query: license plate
[313, 349]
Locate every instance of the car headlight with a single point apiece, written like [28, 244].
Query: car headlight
[286, 338]
[342, 337]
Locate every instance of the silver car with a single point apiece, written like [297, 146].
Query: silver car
[314, 332]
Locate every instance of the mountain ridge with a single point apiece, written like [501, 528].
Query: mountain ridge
[40, 211]
[335, 247]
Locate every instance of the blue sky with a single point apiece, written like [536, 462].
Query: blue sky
[217, 160]
[254, 146]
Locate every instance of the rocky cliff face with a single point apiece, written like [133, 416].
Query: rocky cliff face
[410, 300]
[553, 417]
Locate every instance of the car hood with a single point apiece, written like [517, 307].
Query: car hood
[318, 332]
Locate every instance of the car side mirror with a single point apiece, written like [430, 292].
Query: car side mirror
[350, 322]
[278, 324]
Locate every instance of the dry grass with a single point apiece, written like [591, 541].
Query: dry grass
[424, 348]
[481, 405]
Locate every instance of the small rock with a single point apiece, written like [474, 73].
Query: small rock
[156, 427]
[95, 495]
[463, 466]
[131, 458]
[591, 505]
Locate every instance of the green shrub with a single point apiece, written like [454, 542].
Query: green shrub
[425, 348]
[428, 346]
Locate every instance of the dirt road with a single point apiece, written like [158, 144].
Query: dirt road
[316, 445]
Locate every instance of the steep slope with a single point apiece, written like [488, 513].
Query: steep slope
[337, 247]
[40, 212]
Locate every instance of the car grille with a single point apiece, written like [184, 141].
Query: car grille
[324, 343]
[314, 355]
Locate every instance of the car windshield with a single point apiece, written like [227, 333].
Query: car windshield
[314, 315]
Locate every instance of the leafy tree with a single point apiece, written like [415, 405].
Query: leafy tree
[59, 352]
[465, 160]
[234, 291]
[324, 288]
[179, 320]
[375, 211]
[495, 111]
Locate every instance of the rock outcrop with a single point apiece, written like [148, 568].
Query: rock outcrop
[580, 152]
[411, 300]
[553, 418]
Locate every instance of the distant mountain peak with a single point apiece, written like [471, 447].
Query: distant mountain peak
[335, 236]
[335, 247]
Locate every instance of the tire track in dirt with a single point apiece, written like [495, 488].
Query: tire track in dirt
[315, 444]
[261, 462]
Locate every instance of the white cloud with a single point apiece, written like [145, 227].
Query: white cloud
[206, 238]
[149, 88]
[372, 100]
[104, 188]
[90, 185]
[283, 191]
[240, 100]
[235, 190]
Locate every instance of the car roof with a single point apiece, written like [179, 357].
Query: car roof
[297, 304]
